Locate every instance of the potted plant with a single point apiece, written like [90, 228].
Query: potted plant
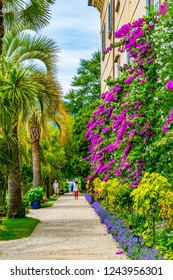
[34, 196]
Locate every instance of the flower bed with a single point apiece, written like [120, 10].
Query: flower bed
[128, 241]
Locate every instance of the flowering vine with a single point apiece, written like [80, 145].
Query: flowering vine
[123, 129]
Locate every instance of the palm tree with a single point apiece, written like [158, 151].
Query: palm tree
[5, 154]
[18, 15]
[54, 156]
[40, 118]
[21, 85]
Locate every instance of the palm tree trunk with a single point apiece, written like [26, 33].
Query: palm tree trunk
[3, 188]
[36, 161]
[14, 186]
[1, 203]
[36, 164]
[1, 26]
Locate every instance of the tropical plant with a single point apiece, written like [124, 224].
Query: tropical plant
[18, 15]
[54, 157]
[35, 194]
[5, 155]
[38, 118]
[21, 84]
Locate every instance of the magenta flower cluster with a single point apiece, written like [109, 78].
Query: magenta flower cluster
[119, 122]
[169, 85]
[165, 127]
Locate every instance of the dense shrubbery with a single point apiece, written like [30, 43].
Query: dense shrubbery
[130, 134]
[146, 210]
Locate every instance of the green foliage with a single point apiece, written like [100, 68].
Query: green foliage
[17, 228]
[113, 195]
[152, 188]
[46, 204]
[19, 15]
[54, 159]
[85, 85]
[78, 147]
[35, 194]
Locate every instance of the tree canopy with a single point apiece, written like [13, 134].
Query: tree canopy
[85, 84]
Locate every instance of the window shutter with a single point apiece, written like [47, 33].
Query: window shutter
[117, 5]
[148, 3]
[104, 37]
[110, 18]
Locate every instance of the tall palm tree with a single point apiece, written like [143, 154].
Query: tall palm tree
[18, 15]
[20, 86]
[40, 118]
[5, 155]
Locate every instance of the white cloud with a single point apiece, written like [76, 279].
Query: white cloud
[75, 28]
[69, 62]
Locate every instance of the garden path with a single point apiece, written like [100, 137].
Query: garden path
[70, 230]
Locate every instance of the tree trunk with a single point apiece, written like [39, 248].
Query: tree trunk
[1, 206]
[1, 26]
[36, 164]
[14, 186]
[3, 188]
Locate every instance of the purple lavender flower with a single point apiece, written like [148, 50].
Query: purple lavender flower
[134, 247]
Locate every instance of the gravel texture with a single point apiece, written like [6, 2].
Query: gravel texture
[70, 230]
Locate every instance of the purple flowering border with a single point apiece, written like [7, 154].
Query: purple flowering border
[133, 245]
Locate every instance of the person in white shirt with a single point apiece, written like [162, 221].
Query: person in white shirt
[55, 187]
[75, 189]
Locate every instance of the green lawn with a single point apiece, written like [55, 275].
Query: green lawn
[17, 228]
[46, 204]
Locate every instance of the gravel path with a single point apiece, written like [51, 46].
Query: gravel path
[70, 230]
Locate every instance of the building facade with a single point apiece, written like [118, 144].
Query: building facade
[114, 14]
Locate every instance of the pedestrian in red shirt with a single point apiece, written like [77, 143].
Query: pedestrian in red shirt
[75, 189]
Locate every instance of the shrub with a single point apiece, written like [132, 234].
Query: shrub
[35, 194]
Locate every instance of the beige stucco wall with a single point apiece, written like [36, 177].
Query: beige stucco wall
[129, 11]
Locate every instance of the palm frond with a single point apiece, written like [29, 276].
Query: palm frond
[25, 48]
[20, 14]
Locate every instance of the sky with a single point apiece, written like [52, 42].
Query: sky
[75, 28]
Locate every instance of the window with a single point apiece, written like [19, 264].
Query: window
[148, 3]
[110, 18]
[156, 4]
[117, 5]
[104, 38]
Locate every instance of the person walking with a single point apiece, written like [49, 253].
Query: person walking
[75, 189]
[55, 187]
